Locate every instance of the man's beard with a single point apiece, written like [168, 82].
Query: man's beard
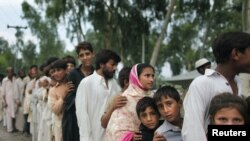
[107, 74]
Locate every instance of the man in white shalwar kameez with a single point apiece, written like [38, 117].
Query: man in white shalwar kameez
[28, 93]
[93, 94]
[10, 99]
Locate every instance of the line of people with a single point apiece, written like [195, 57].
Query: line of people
[85, 103]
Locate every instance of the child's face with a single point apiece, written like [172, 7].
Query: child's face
[169, 109]
[149, 118]
[228, 116]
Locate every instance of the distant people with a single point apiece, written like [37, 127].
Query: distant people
[85, 54]
[228, 109]
[20, 84]
[169, 104]
[231, 51]
[93, 94]
[202, 64]
[141, 80]
[27, 98]
[10, 99]
[1, 99]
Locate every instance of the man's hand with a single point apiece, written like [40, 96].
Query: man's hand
[119, 101]
[65, 90]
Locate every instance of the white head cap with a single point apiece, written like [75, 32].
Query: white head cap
[201, 62]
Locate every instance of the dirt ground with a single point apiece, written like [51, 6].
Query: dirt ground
[17, 136]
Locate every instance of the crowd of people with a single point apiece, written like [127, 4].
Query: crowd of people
[59, 101]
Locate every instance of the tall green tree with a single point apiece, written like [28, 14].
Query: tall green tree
[46, 32]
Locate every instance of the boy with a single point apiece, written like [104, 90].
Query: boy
[169, 104]
[86, 55]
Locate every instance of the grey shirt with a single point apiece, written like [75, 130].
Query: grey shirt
[170, 131]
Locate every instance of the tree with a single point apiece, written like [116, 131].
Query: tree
[46, 32]
[164, 28]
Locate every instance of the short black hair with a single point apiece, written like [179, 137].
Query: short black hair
[104, 56]
[167, 91]
[51, 60]
[33, 66]
[69, 59]
[123, 75]
[145, 102]
[85, 46]
[59, 64]
[226, 42]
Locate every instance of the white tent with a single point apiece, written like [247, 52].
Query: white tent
[183, 79]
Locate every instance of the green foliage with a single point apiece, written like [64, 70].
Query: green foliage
[120, 25]
[46, 31]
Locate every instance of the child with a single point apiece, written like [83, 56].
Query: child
[228, 109]
[169, 104]
[149, 116]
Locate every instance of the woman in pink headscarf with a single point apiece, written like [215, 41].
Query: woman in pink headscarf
[125, 119]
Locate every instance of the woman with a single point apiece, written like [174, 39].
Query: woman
[125, 118]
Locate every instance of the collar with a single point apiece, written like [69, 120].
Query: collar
[167, 126]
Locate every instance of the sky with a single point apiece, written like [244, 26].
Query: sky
[11, 14]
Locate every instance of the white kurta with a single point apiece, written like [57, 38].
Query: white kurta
[10, 92]
[91, 99]
[197, 102]
[19, 115]
[28, 92]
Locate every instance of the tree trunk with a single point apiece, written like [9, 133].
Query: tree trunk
[245, 78]
[164, 28]
[143, 48]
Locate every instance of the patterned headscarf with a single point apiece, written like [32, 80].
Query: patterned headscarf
[134, 78]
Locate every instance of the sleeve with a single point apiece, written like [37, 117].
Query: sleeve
[3, 90]
[81, 103]
[195, 109]
[16, 92]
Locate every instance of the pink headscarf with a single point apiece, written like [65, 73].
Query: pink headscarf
[134, 78]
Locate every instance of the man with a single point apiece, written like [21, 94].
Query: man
[86, 55]
[20, 85]
[202, 64]
[27, 98]
[232, 55]
[10, 99]
[93, 94]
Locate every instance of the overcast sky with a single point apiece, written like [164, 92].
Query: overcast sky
[10, 14]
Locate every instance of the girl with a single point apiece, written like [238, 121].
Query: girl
[228, 109]
[125, 119]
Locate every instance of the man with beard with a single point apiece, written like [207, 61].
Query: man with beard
[93, 94]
